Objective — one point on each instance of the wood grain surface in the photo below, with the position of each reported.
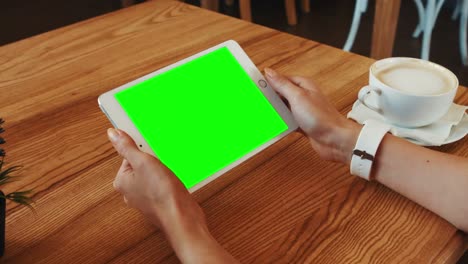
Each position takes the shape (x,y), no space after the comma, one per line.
(285,205)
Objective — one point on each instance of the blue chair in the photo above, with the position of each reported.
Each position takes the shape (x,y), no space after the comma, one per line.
(461,12)
(427,18)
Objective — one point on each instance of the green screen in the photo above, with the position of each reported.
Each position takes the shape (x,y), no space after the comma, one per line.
(201,116)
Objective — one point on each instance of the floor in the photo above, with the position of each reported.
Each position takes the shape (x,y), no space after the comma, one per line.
(328,22)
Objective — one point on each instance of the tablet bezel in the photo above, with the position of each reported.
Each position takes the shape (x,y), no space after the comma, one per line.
(119,118)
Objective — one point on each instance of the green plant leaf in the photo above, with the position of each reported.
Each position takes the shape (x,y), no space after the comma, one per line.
(21,197)
(6,177)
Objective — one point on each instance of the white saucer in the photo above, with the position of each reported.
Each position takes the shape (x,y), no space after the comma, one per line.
(458,132)
(450,128)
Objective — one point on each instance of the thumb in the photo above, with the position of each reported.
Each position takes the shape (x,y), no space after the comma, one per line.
(125,146)
(283,85)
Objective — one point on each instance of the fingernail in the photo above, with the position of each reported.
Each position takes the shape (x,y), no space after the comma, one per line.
(271,73)
(113,134)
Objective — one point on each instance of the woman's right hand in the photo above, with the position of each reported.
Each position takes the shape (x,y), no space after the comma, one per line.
(152,188)
(330,133)
(149,186)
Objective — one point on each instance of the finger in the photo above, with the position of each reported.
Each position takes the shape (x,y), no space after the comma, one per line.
(116,185)
(283,85)
(125,146)
(121,179)
(285,101)
(125,200)
(125,167)
(304,83)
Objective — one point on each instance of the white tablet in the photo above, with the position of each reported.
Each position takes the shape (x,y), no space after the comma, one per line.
(201,116)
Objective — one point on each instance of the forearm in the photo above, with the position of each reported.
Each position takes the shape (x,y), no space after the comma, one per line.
(192,241)
(435,180)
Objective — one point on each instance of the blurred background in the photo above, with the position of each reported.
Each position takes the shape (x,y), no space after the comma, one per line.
(328,22)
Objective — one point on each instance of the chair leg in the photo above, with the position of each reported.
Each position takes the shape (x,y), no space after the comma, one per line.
(421,13)
(463,38)
(432,11)
(305,6)
(457,10)
(426,46)
(210,4)
(417,32)
(385,24)
(245,10)
(358,9)
(438,8)
(291,11)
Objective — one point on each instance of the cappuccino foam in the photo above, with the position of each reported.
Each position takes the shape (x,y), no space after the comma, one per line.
(415,78)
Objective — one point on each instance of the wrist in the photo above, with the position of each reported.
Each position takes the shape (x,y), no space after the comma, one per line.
(183,223)
(366,148)
(181,216)
(347,136)
(192,241)
(183,233)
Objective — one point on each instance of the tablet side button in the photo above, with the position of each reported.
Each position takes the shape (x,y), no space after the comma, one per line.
(108,117)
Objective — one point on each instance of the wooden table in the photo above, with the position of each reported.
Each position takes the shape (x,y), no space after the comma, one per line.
(284,205)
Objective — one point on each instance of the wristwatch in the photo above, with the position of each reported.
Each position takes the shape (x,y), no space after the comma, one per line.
(366,147)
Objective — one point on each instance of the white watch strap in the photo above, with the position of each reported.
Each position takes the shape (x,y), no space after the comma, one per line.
(366,147)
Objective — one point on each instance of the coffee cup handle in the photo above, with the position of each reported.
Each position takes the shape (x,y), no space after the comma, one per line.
(364,94)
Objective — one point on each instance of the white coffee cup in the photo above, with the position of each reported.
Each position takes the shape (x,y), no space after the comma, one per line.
(410,92)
